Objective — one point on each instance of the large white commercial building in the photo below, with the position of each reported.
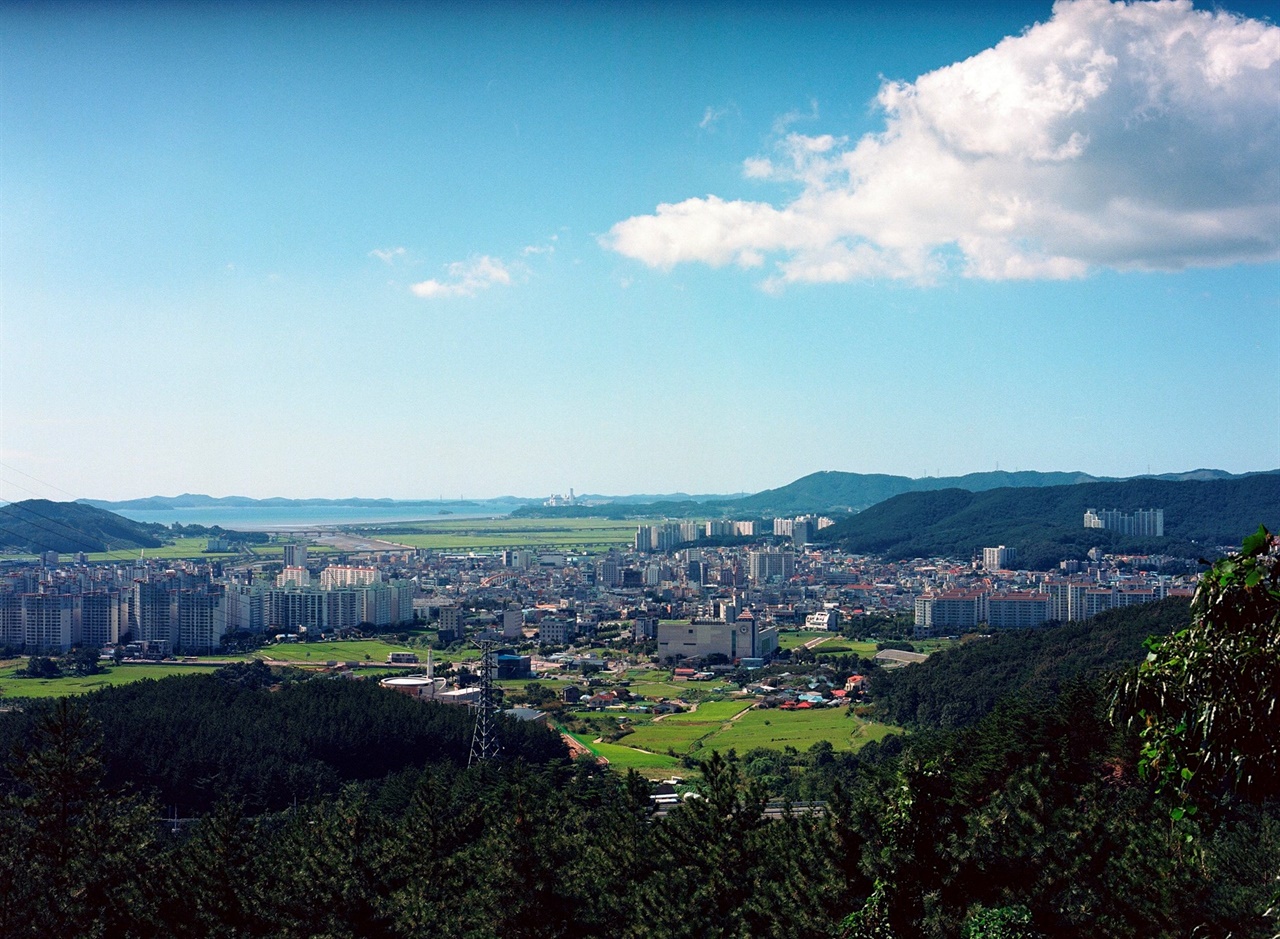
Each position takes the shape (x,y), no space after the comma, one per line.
(743,638)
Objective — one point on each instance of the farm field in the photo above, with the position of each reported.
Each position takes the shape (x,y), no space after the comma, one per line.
(659,689)
(840,646)
(588,534)
(193,548)
(11,687)
(776,729)
(181,548)
(345,650)
(711,712)
(734,724)
(623,758)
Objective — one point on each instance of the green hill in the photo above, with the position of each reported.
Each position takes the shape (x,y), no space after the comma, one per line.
(855,491)
(36,525)
(1045,525)
(957,687)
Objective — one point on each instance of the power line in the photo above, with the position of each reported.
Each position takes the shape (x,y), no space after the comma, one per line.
(122,554)
(67,533)
(484,740)
(38,480)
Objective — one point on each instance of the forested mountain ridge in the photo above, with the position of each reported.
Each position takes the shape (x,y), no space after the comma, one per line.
(1046,524)
(834,491)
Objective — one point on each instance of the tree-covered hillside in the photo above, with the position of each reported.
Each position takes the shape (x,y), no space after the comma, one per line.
(956,687)
(838,492)
(1045,525)
(193,741)
(36,525)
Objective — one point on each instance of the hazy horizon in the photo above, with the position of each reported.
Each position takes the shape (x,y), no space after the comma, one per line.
(430,250)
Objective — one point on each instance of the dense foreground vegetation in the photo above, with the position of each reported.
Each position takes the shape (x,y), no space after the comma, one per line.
(1073,806)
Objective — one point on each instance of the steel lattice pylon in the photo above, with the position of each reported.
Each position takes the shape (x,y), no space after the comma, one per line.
(484,740)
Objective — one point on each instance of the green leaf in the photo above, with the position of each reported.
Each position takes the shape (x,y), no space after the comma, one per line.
(1256,543)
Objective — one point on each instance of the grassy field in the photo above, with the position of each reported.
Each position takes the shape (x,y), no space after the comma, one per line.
(794,638)
(658,689)
(181,548)
(496,534)
(839,646)
(623,758)
(347,650)
(11,687)
(735,725)
(711,712)
(800,729)
(193,548)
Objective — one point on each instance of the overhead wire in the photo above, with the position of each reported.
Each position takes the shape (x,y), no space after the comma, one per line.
(68,531)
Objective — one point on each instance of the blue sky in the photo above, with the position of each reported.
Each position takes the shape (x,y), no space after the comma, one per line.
(420,250)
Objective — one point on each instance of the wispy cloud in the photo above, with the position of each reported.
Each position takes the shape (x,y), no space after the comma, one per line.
(783,123)
(387,255)
(548,248)
(1123,135)
(465,279)
(713,115)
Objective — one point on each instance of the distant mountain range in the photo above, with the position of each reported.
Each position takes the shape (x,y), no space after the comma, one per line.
(818,492)
(1040,514)
(832,491)
(1046,524)
(190,500)
(195,501)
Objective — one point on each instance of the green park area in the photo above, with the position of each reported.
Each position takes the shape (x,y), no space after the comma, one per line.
(373,651)
(497,534)
(194,549)
(591,535)
(838,645)
(180,548)
(13,687)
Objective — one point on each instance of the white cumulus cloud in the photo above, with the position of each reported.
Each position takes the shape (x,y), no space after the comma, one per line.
(387,255)
(1136,135)
(465,279)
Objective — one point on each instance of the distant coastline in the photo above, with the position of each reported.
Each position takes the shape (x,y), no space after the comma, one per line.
(303,515)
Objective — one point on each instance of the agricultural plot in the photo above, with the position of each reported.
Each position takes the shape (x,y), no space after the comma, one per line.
(658,689)
(664,735)
(588,534)
(180,548)
(710,712)
(194,549)
(775,729)
(735,725)
(11,687)
(623,757)
(839,646)
(349,650)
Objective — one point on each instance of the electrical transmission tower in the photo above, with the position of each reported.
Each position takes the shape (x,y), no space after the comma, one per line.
(484,741)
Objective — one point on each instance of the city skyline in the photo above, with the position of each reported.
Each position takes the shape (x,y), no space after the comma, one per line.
(271,251)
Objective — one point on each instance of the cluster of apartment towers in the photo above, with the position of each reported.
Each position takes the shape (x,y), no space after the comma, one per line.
(187,612)
(1061,600)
